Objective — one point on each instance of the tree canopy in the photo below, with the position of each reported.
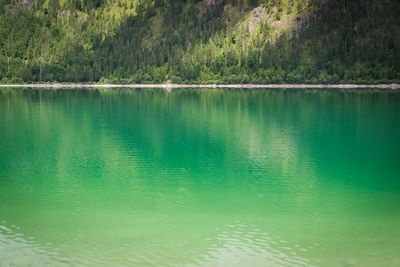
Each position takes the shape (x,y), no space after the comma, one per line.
(193,41)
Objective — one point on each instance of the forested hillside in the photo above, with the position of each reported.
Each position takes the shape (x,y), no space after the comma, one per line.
(193,41)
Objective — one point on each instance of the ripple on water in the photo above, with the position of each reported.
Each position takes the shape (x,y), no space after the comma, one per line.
(238,245)
(199,177)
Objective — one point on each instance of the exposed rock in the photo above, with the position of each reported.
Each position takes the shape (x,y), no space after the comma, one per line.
(61,14)
(258,15)
(301,22)
(210,3)
(27,2)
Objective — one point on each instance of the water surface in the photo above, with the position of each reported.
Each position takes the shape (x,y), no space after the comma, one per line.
(199,177)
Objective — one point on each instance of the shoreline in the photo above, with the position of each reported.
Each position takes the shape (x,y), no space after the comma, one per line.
(169,86)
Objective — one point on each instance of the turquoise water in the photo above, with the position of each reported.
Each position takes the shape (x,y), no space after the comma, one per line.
(199,177)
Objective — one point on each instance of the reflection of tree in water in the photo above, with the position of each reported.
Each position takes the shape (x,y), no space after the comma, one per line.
(188,176)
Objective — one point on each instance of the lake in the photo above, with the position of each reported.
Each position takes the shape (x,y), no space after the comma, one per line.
(199,177)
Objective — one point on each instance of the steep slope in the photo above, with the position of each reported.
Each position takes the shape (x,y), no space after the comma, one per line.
(222,41)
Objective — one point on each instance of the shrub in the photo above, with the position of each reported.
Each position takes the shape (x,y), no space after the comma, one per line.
(176,80)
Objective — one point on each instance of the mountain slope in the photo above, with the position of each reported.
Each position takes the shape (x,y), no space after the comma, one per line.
(222,41)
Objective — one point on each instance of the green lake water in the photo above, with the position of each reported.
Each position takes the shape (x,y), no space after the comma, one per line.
(199,177)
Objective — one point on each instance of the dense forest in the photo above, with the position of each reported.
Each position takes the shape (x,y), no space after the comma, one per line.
(194,41)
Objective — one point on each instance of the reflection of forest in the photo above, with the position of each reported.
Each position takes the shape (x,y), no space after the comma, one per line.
(210,170)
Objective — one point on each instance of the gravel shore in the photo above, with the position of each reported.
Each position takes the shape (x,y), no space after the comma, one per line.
(170,86)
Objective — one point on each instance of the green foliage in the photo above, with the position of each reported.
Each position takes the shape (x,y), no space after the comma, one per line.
(200,41)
